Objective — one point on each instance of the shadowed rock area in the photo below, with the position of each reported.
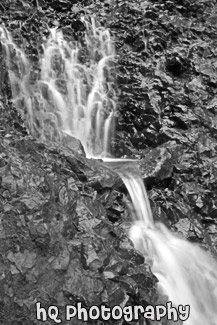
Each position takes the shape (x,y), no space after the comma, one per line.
(64,219)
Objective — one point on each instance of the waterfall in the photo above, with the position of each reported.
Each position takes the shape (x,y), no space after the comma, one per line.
(186,273)
(73,90)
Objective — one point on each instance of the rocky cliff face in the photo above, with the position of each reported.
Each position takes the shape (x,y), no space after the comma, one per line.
(64,220)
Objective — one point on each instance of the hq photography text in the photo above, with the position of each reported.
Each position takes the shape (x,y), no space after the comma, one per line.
(128,313)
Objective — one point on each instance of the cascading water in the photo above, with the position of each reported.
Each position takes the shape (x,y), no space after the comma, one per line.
(186,273)
(77,97)
(73,94)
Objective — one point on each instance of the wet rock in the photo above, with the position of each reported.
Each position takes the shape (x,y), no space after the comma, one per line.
(61,262)
(158,163)
(77,25)
(23,261)
(73,144)
(175,65)
(61,5)
(129,254)
(84,285)
(92,171)
(39,234)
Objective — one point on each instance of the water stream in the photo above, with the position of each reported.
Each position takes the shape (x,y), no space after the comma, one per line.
(75,95)
(186,273)
(73,90)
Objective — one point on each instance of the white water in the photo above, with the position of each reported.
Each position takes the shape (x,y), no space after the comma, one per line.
(70,95)
(75,97)
(187,274)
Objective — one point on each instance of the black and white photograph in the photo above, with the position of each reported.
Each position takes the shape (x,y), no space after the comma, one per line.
(108,162)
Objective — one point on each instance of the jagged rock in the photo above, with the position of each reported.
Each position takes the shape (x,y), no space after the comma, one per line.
(51,203)
(77,25)
(157,164)
(74,144)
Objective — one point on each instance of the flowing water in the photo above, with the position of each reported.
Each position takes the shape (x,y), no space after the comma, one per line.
(73,90)
(186,273)
(74,94)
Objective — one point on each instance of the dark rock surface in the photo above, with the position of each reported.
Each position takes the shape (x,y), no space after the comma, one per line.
(63,218)
(57,244)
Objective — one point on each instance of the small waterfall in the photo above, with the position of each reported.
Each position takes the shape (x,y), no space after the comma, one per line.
(72,91)
(186,273)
